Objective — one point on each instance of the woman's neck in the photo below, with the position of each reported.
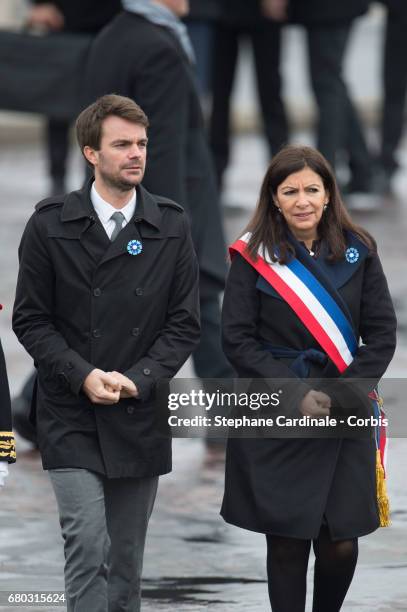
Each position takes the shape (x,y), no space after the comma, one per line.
(308,238)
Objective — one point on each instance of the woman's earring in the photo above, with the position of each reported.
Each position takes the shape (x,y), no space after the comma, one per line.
(278,208)
(326,206)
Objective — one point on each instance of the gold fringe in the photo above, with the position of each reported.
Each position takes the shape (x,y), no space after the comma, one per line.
(8,447)
(382,497)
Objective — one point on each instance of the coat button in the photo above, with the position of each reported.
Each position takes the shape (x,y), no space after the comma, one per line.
(139,291)
(97,292)
(63,379)
(137,219)
(69,365)
(135,331)
(130,409)
(96,333)
(147,371)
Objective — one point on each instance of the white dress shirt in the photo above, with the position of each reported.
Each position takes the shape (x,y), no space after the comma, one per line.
(104,210)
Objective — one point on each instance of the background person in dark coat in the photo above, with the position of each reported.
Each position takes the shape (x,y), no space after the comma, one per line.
(144,53)
(328,26)
(200,22)
(106,313)
(395,86)
(300,491)
(76,16)
(240,19)
(7,444)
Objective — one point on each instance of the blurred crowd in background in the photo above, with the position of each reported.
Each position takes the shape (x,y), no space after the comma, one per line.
(114,52)
(221,31)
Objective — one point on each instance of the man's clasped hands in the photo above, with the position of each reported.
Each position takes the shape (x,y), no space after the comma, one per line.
(108,387)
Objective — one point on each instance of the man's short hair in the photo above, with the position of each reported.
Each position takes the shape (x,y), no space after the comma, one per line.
(89,123)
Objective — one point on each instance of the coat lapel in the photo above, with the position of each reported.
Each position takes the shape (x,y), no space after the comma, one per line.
(146,221)
(81,221)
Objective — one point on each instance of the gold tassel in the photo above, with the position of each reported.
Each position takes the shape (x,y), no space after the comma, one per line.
(382,497)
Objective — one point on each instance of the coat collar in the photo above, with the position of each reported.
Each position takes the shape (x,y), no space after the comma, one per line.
(78,205)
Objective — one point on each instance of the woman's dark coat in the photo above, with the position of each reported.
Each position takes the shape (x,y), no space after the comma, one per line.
(288,487)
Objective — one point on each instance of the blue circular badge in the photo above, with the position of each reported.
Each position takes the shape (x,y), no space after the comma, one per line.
(352,255)
(134,247)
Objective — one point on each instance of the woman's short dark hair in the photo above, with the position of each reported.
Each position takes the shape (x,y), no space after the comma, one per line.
(90,121)
(268,226)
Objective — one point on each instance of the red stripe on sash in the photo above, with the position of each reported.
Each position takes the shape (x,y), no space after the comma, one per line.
(292,299)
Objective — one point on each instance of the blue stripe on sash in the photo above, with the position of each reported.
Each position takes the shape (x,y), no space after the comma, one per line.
(322,295)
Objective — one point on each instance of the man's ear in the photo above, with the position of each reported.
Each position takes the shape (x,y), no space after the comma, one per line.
(90,155)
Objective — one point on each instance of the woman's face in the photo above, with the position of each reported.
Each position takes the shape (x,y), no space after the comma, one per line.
(301,198)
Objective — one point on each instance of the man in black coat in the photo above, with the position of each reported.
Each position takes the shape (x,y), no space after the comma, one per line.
(107,305)
(145,53)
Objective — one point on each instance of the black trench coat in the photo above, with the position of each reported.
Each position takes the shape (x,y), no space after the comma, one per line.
(289,487)
(84,302)
(7,444)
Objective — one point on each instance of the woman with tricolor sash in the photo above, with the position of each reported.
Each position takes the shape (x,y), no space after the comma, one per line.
(7,444)
(306,298)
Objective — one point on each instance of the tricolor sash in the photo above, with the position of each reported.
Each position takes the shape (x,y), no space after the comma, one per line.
(325,319)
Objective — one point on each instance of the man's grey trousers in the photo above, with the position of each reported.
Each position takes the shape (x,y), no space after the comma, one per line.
(104,525)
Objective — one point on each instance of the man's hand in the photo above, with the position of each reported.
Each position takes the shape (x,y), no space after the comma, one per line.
(127,386)
(275,9)
(315,404)
(46,16)
(102,387)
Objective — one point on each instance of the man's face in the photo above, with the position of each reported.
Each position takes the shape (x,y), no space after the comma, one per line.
(121,160)
(179,7)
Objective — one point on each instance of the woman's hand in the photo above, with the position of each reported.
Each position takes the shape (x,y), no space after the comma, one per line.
(315,404)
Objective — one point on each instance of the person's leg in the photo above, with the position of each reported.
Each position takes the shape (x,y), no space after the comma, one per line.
(201,35)
(129,503)
(395,86)
(338,126)
(210,363)
(225,50)
(287,562)
(209,358)
(80,499)
(58,146)
(266,41)
(335,564)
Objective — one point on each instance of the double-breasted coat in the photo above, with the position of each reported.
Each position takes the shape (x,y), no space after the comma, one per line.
(83,302)
(7,444)
(290,487)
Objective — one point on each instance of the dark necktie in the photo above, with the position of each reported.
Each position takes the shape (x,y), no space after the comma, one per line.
(118,219)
